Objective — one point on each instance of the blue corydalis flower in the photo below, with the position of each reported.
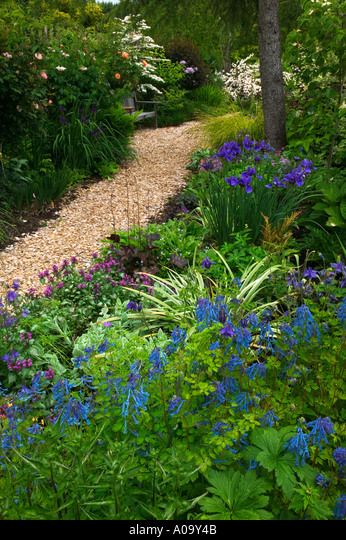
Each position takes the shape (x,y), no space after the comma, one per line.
(341,312)
(258,369)
(340,508)
(74,412)
(298,445)
(306,324)
(175,405)
(243,401)
(320,429)
(269,419)
(158,360)
(220,428)
(233,363)
(178,337)
(208,312)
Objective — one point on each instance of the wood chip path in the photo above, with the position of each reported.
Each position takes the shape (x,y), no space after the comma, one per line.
(134,195)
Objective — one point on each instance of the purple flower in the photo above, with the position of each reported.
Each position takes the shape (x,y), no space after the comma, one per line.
(133,306)
(48,291)
(227,331)
(339,455)
(310,273)
(206,263)
(232,181)
(212,164)
(11,296)
(248,143)
(49,374)
(107,324)
(15,284)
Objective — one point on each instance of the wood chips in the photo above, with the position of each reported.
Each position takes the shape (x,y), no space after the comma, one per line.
(134,195)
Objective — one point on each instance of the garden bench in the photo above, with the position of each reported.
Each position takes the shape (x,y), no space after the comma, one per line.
(131,103)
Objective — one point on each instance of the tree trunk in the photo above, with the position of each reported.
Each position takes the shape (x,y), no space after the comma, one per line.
(273,95)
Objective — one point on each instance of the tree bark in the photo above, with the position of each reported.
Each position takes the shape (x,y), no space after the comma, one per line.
(273,94)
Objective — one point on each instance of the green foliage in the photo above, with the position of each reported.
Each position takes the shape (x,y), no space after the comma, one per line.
(232,126)
(315,52)
(236,496)
(85,141)
(332,202)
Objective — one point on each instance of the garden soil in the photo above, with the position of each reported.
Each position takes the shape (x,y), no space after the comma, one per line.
(134,196)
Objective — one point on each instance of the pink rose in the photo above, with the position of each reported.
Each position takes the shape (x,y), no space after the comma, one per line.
(44,75)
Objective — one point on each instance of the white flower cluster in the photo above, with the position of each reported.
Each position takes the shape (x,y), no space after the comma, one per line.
(242,81)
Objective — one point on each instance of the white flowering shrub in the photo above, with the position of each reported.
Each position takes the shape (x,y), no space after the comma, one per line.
(139,51)
(242,81)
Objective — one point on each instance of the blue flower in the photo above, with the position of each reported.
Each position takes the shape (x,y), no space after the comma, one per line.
(340,507)
(306,324)
(178,335)
(244,401)
(233,363)
(320,429)
(229,151)
(74,412)
(298,445)
(220,428)
(341,312)
(322,481)
(208,312)
(104,346)
(339,455)
(61,390)
(175,405)
(256,369)
(158,360)
(269,419)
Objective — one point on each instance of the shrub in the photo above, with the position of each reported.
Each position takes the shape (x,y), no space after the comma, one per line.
(242,80)
(186,53)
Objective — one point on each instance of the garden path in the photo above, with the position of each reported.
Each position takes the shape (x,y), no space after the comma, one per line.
(133,196)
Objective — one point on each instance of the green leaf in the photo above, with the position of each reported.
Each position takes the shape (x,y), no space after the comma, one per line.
(236,496)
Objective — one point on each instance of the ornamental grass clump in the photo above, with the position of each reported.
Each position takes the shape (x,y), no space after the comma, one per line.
(245,181)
